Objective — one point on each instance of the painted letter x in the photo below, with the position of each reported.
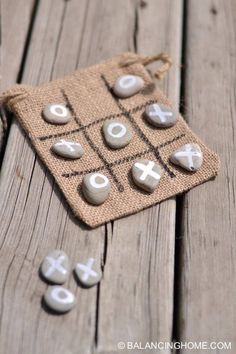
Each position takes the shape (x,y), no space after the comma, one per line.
(68,144)
(161,114)
(189,153)
(87,268)
(55,265)
(147,170)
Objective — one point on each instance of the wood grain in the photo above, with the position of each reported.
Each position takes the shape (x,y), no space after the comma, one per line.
(12,44)
(14,31)
(135,298)
(207,310)
(36,219)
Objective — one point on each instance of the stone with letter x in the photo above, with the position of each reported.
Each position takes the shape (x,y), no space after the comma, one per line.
(188,156)
(160,115)
(146,174)
(88,273)
(55,267)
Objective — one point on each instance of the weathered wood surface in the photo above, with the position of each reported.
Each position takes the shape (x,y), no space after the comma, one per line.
(207,308)
(135,299)
(137,289)
(13,38)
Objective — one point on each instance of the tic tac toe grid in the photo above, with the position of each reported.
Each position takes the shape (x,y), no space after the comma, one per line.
(88,95)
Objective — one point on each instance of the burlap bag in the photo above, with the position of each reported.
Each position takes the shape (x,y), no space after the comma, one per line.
(88,95)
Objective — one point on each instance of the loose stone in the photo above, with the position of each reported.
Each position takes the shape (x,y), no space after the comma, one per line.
(68,148)
(117,134)
(55,267)
(96,188)
(89,273)
(59,299)
(56,113)
(128,85)
(160,115)
(146,174)
(188,156)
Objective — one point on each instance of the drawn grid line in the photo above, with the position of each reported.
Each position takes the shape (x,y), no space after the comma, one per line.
(95,148)
(97,121)
(121,161)
(138,129)
(106,165)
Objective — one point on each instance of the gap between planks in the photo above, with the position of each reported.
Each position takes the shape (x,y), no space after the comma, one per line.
(92,328)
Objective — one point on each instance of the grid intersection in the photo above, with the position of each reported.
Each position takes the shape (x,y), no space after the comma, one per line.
(105,164)
(138,129)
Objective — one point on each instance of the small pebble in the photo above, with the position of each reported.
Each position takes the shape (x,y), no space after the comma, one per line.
(96,188)
(59,299)
(146,174)
(128,85)
(68,148)
(188,156)
(116,134)
(160,115)
(55,267)
(56,113)
(89,273)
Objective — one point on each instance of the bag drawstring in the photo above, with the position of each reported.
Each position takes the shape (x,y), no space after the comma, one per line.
(132,58)
(14,94)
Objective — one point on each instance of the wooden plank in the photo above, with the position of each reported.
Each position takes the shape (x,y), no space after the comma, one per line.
(136,295)
(35,218)
(207,282)
(12,43)
(14,30)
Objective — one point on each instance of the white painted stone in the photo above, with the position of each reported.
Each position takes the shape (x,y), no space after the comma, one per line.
(59,299)
(68,148)
(146,174)
(160,115)
(88,273)
(188,156)
(117,134)
(96,188)
(55,267)
(56,113)
(128,85)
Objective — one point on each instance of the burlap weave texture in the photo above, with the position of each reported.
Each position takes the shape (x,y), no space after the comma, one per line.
(88,95)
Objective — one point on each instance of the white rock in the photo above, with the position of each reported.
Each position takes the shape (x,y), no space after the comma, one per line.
(68,148)
(128,85)
(88,273)
(188,156)
(59,299)
(160,115)
(117,134)
(96,188)
(56,113)
(146,174)
(55,267)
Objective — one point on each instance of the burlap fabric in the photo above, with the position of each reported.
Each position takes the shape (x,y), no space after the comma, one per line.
(88,95)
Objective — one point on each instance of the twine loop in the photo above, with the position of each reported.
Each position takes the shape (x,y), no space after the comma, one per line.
(13,95)
(132,58)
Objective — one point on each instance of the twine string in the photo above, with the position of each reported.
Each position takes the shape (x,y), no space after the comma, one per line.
(145,60)
(13,95)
